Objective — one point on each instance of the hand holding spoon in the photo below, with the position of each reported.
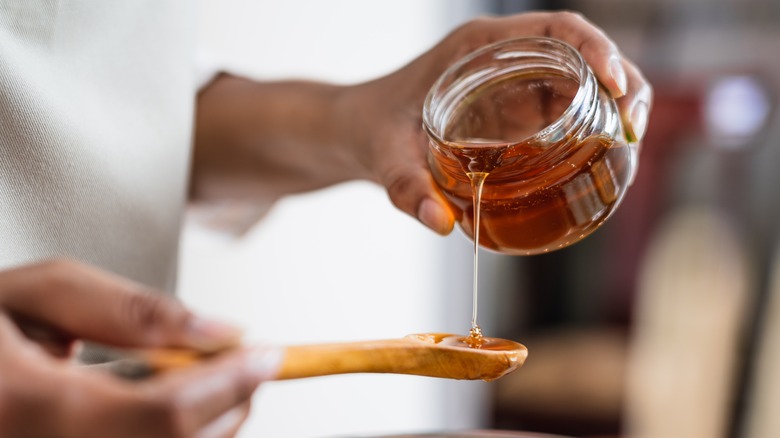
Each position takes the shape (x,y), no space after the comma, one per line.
(433,355)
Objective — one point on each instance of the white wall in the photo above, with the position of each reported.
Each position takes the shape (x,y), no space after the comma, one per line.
(339,264)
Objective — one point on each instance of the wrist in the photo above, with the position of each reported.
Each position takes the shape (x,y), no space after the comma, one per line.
(267,139)
(354,125)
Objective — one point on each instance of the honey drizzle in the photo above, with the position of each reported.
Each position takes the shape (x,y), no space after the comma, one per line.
(475,338)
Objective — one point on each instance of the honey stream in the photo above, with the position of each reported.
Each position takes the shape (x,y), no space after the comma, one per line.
(475,338)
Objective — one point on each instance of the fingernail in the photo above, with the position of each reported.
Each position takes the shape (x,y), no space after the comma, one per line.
(264,362)
(639,120)
(618,74)
(433,216)
(212,335)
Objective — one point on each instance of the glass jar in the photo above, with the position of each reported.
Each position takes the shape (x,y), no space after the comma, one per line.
(525,125)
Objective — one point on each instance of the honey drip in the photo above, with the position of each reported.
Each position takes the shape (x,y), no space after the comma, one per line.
(475,338)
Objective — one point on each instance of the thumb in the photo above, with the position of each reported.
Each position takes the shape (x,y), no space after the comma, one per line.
(404,172)
(412,190)
(91,304)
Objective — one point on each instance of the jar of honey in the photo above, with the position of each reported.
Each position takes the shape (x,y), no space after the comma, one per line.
(526,143)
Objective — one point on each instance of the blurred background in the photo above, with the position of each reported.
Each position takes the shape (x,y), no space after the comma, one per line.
(661,324)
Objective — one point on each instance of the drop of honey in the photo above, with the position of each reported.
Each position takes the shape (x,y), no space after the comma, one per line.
(485,343)
(475,338)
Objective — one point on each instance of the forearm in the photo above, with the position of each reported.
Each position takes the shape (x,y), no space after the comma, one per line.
(256,140)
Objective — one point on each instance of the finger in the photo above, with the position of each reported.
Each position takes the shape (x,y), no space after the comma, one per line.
(228,424)
(636,104)
(405,175)
(198,396)
(596,48)
(411,189)
(92,304)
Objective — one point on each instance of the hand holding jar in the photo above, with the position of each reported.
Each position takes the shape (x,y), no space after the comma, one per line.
(394,148)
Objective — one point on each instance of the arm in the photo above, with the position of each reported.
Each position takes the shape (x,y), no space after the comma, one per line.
(259,140)
(263,140)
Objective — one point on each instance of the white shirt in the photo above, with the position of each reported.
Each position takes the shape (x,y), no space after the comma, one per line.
(96,114)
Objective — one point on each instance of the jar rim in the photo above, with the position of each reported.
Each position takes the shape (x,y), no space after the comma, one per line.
(580,69)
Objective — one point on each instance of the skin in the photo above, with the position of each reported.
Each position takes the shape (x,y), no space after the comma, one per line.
(255,141)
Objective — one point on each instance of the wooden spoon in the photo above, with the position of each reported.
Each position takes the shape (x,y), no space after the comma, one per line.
(432,354)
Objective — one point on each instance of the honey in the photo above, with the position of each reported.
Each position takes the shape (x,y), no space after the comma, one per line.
(530,208)
(475,338)
(485,343)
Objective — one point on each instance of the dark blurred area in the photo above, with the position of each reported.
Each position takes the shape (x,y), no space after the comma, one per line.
(660,324)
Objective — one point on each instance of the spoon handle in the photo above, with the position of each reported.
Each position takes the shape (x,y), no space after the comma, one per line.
(299,361)
(399,356)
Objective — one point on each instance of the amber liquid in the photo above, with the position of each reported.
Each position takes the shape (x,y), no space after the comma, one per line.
(492,344)
(486,343)
(530,209)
